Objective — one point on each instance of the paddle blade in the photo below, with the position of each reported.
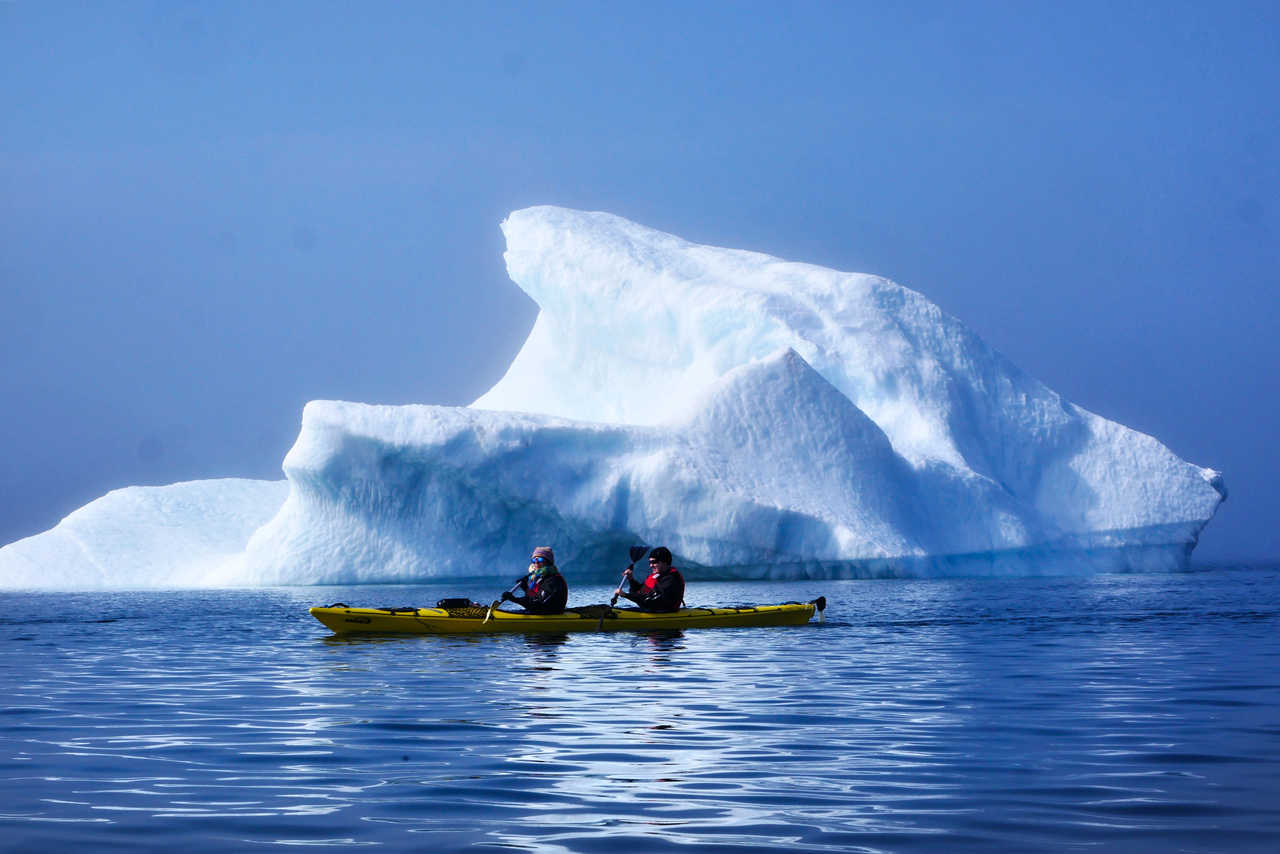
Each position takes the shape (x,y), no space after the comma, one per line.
(638,552)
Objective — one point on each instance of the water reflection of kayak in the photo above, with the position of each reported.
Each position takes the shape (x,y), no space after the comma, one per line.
(474,617)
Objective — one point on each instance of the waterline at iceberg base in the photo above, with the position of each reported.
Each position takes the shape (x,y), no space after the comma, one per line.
(772,419)
(1053,559)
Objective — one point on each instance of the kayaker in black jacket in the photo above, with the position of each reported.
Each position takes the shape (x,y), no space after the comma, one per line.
(545,590)
(662,591)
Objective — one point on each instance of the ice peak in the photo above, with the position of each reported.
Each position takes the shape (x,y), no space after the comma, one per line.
(630,314)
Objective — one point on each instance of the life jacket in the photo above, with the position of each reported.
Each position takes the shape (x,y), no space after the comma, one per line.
(652,581)
(651,584)
(535,587)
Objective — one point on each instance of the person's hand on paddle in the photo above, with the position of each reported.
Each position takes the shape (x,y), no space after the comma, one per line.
(507,597)
(626,576)
(636,553)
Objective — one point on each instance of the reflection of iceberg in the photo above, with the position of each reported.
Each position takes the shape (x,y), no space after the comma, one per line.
(761,417)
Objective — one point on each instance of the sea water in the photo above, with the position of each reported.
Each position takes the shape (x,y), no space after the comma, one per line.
(1113,713)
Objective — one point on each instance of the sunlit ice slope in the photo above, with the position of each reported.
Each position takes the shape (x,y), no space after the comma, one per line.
(175,536)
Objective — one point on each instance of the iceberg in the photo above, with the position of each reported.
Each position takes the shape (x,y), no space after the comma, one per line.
(172,536)
(762,418)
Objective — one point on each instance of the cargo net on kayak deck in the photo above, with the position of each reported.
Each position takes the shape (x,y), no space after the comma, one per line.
(469,611)
(458,607)
(593,612)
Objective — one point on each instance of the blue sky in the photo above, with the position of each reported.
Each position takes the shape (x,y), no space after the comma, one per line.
(213,212)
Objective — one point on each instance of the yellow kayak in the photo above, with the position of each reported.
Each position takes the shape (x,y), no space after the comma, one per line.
(472,617)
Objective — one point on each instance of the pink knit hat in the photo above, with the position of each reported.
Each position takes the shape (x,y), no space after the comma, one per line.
(544,552)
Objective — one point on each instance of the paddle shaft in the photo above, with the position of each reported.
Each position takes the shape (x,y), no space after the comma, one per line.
(497,602)
(614,600)
(635,553)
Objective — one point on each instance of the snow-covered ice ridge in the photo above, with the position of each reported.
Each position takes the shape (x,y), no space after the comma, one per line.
(762,418)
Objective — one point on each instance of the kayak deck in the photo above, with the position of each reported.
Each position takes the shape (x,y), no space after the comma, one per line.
(344,620)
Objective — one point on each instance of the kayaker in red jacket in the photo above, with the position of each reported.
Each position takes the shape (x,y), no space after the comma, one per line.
(545,590)
(662,591)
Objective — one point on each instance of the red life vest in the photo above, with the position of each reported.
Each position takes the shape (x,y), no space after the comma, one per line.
(652,581)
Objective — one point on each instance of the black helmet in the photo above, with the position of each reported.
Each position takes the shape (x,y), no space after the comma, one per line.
(661,554)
